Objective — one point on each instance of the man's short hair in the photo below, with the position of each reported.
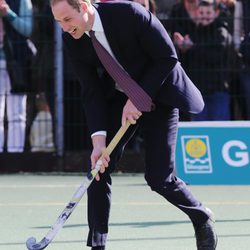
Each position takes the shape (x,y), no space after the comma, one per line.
(74,3)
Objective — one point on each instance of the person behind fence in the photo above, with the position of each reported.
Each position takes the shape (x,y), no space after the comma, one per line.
(208,63)
(242,44)
(41,132)
(183,22)
(150,86)
(226,15)
(43,70)
(15,55)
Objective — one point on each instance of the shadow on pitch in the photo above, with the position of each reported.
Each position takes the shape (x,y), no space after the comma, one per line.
(129,224)
(145,224)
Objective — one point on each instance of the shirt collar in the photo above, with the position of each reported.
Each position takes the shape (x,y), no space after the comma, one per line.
(97,26)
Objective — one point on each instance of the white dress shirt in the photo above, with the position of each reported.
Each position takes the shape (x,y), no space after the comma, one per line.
(101,37)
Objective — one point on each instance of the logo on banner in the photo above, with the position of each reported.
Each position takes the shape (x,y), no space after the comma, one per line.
(235,153)
(196,154)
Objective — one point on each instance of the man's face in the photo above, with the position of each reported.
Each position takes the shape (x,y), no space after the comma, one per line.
(206,14)
(71,20)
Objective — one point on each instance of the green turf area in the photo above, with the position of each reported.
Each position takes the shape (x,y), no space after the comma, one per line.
(140,219)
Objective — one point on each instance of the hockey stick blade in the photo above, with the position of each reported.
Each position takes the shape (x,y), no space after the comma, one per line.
(31,243)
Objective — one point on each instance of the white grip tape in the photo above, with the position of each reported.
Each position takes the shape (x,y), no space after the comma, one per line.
(98,164)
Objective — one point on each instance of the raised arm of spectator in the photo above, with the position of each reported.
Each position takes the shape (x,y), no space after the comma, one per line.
(21,22)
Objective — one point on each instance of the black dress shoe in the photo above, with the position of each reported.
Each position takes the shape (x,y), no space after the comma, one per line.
(206,238)
(98,248)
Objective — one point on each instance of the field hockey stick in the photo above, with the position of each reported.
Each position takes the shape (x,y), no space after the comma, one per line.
(31,242)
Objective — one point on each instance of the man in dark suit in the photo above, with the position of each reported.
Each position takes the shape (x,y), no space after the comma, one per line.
(140,44)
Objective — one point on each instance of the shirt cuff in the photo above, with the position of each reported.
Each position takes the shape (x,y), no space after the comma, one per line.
(11,15)
(104,133)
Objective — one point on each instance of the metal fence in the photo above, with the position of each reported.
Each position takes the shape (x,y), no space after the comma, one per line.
(55,118)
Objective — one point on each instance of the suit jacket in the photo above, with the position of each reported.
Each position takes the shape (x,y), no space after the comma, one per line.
(143,47)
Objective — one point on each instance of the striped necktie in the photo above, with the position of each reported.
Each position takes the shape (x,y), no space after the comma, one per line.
(135,93)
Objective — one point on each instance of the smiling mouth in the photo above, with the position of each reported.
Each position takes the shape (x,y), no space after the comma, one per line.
(73,31)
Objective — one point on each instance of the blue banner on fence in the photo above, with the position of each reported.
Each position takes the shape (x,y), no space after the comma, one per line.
(214,152)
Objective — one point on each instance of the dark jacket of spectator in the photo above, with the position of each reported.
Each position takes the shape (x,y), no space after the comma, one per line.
(207,59)
(19,52)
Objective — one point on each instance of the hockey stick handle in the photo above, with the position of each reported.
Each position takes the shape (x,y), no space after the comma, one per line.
(109,149)
(117,138)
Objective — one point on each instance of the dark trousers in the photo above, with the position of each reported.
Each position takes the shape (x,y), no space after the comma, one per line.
(159,129)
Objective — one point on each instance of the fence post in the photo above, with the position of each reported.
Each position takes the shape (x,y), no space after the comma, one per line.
(59,110)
